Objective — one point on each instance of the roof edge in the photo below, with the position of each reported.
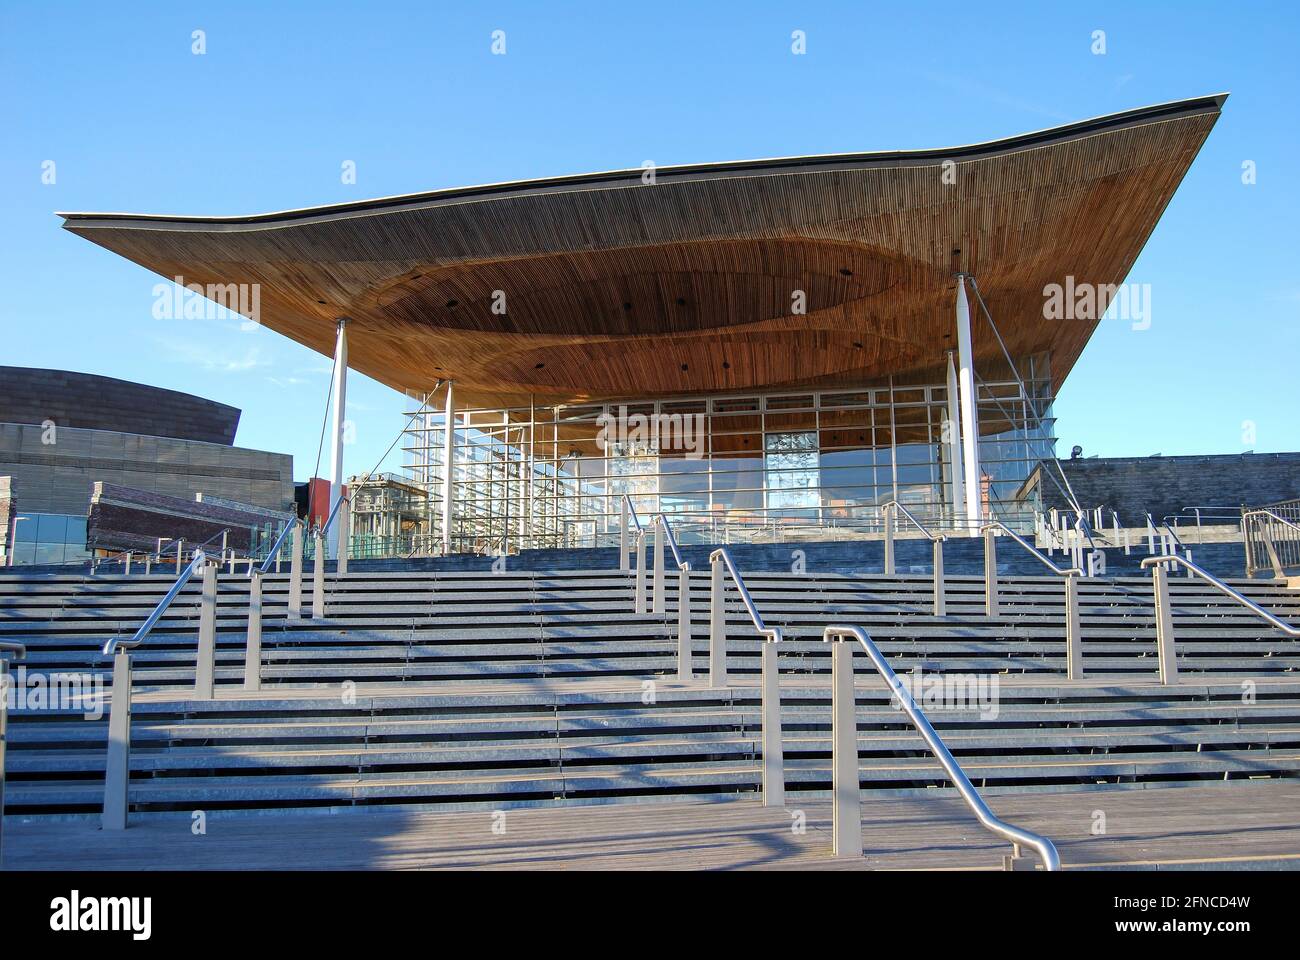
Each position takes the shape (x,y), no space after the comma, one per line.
(1212,103)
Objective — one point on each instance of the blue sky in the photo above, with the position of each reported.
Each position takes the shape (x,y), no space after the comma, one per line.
(411,92)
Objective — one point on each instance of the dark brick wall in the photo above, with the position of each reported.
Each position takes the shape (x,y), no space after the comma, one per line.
(121,518)
(1134,486)
(31,395)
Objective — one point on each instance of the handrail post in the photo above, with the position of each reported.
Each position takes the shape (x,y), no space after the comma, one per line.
(638,585)
(295,575)
(117,773)
(318,577)
(773,751)
(624,562)
(940,607)
(1165,647)
(889,540)
(180,545)
(990,573)
(717,626)
(4,720)
(344,534)
(205,663)
(253,647)
(685,671)
(1073,640)
(127,568)
(660,582)
(846,788)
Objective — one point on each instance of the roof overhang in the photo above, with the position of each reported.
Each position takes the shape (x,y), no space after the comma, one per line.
(609,285)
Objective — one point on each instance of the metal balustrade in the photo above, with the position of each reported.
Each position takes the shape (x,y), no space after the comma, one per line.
(891,509)
(253,642)
(1165,643)
(846,790)
(18,652)
(1272,540)
(1071,575)
(720,561)
(117,772)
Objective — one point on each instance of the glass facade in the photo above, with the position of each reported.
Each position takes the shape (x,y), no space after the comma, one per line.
(755,466)
(49,538)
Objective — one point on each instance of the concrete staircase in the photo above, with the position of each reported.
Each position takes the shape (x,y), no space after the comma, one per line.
(452,689)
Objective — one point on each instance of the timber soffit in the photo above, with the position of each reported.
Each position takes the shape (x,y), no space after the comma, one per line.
(707,263)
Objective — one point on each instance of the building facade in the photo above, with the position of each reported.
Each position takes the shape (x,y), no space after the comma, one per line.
(63,432)
(758,348)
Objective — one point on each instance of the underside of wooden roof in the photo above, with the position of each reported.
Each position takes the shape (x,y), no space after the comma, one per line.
(605,286)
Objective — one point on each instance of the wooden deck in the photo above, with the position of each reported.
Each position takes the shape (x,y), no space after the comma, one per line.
(1244,826)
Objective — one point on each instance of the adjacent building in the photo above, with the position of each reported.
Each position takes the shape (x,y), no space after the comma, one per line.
(61,433)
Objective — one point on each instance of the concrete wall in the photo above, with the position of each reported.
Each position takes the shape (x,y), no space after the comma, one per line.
(91,402)
(58,477)
(1132,486)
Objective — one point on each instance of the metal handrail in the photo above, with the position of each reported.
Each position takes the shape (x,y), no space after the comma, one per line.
(932,537)
(1226,590)
(1269,513)
(1059,571)
(329,521)
(672,543)
(17,649)
(631,508)
(279,542)
(773,633)
(138,637)
(1045,849)
(1178,542)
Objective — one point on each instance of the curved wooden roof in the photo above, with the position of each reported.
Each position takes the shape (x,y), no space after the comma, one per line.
(618,288)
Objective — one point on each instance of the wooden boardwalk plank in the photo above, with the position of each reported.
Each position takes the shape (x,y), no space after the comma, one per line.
(1242,825)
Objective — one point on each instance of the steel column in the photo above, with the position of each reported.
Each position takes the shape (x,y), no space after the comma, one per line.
(846,790)
(339,417)
(685,670)
(638,586)
(969,409)
(889,540)
(990,573)
(117,774)
(940,602)
(661,583)
(717,626)
(295,574)
(318,579)
(343,534)
(253,646)
(448,467)
(958,491)
(773,752)
(205,663)
(1073,640)
(1168,655)
(623,559)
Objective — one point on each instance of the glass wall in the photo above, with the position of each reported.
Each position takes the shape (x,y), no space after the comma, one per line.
(49,538)
(726,467)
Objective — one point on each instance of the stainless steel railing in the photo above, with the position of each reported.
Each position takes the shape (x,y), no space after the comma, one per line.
(893,507)
(1165,642)
(1071,575)
(18,652)
(847,792)
(721,562)
(274,552)
(1272,541)
(116,643)
(722,556)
